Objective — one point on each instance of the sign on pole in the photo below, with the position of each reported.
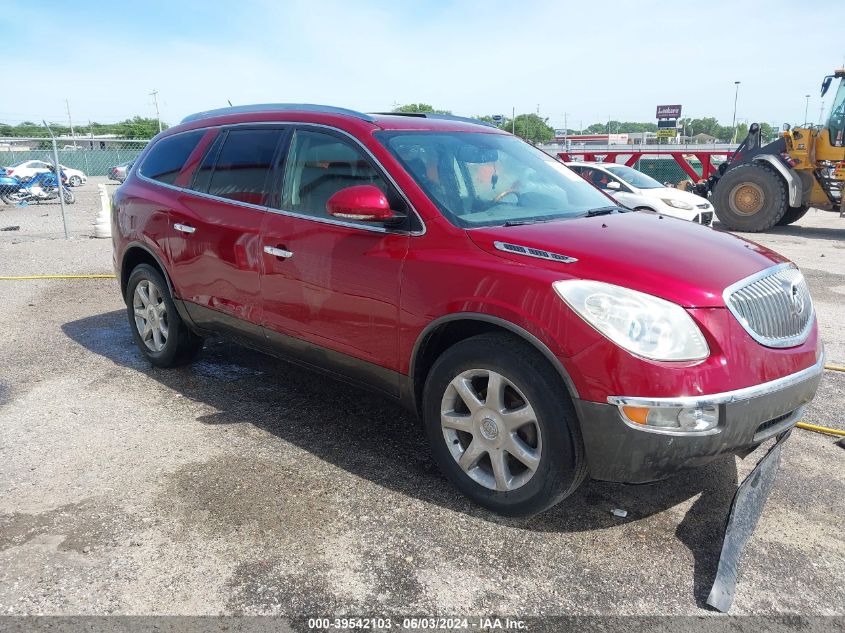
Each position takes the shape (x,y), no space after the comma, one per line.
(668,112)
(666,132)
(667,123)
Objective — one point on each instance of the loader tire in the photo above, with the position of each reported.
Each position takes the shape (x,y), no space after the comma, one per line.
(793,214)
(750,198)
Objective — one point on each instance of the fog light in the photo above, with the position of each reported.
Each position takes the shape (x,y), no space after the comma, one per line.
(669,419)
(698,418)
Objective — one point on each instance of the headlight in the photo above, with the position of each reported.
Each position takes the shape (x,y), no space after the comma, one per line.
(640,323)
(678,204)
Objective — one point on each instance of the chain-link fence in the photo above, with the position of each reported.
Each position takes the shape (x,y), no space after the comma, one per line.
(93,157)
(666,170)
(30,211)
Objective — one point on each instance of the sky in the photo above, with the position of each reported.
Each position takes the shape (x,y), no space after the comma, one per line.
(582,62)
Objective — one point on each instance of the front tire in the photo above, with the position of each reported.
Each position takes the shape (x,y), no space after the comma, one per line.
(75,181)
(159,332)
(750,198)
(68,196)
(502,426)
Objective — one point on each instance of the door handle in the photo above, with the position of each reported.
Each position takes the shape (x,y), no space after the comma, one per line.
(184,228)
(277,252)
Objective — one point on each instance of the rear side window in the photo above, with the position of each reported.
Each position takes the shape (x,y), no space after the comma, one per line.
(203,174)
(165,160)
(319,165)
(243,165)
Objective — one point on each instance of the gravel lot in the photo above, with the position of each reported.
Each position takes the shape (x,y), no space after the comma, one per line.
(243,485)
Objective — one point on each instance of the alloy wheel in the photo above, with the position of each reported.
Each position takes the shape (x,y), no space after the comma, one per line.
(491,429)
(150,315)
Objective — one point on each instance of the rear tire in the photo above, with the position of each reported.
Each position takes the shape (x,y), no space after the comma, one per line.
(159,332)
(792,215)
(750,198)
(528,454)
(75,181)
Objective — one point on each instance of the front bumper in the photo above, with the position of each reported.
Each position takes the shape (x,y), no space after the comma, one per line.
(621,451)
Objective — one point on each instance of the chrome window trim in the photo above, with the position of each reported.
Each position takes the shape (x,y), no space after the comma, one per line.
(379,165)
(791,341)
(726,397)
(193,192)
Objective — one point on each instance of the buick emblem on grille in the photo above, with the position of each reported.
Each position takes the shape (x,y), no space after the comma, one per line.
(796,296)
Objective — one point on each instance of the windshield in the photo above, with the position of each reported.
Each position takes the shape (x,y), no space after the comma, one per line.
(479,179)
(633,177)
(836,122)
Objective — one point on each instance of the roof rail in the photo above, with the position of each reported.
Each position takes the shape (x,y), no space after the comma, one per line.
(277,107)
(434,115)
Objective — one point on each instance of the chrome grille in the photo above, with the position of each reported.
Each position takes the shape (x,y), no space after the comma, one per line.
(774,306)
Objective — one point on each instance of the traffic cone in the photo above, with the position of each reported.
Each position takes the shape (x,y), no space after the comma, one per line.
(102,225)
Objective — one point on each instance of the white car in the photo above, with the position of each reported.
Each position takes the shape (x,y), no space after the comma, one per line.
(29,168)
(635,190)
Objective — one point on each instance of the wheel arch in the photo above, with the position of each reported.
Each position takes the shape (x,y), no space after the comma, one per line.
(794,186)
(447,330)
(135,254)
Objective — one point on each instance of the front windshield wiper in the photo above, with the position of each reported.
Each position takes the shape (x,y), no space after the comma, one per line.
(517,223)
(605,211)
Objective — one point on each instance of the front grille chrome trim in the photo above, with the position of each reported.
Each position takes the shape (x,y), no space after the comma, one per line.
(758,303)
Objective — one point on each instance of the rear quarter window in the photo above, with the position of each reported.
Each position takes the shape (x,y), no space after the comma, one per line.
(166,157)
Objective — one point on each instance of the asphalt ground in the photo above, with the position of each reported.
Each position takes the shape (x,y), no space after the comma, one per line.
(244,485)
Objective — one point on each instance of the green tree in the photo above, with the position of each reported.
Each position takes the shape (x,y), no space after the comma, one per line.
(420,107)
(531,127)
(138,127)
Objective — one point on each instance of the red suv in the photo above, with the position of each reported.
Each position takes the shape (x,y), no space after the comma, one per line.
(541,333)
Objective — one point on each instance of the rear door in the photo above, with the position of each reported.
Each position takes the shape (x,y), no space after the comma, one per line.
(215,248)
(333,283)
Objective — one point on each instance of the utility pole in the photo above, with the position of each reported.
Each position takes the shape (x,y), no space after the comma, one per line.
(58,173)
(70,122)
(154,95)
(565,131)
(806,107)
(733,125)
(821,112)
(513,120)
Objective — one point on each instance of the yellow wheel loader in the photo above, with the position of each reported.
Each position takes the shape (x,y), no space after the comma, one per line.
(775,184)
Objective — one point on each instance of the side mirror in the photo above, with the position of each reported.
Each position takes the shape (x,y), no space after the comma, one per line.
(364,203)
(613,186)
(826,84)
(786,127)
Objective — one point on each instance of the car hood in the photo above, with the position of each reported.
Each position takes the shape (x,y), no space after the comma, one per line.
(676,260)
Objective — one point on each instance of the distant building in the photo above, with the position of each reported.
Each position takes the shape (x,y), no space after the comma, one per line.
(593,139)
(702,139)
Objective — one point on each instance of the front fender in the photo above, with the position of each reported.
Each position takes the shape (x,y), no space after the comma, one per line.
(793,182)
